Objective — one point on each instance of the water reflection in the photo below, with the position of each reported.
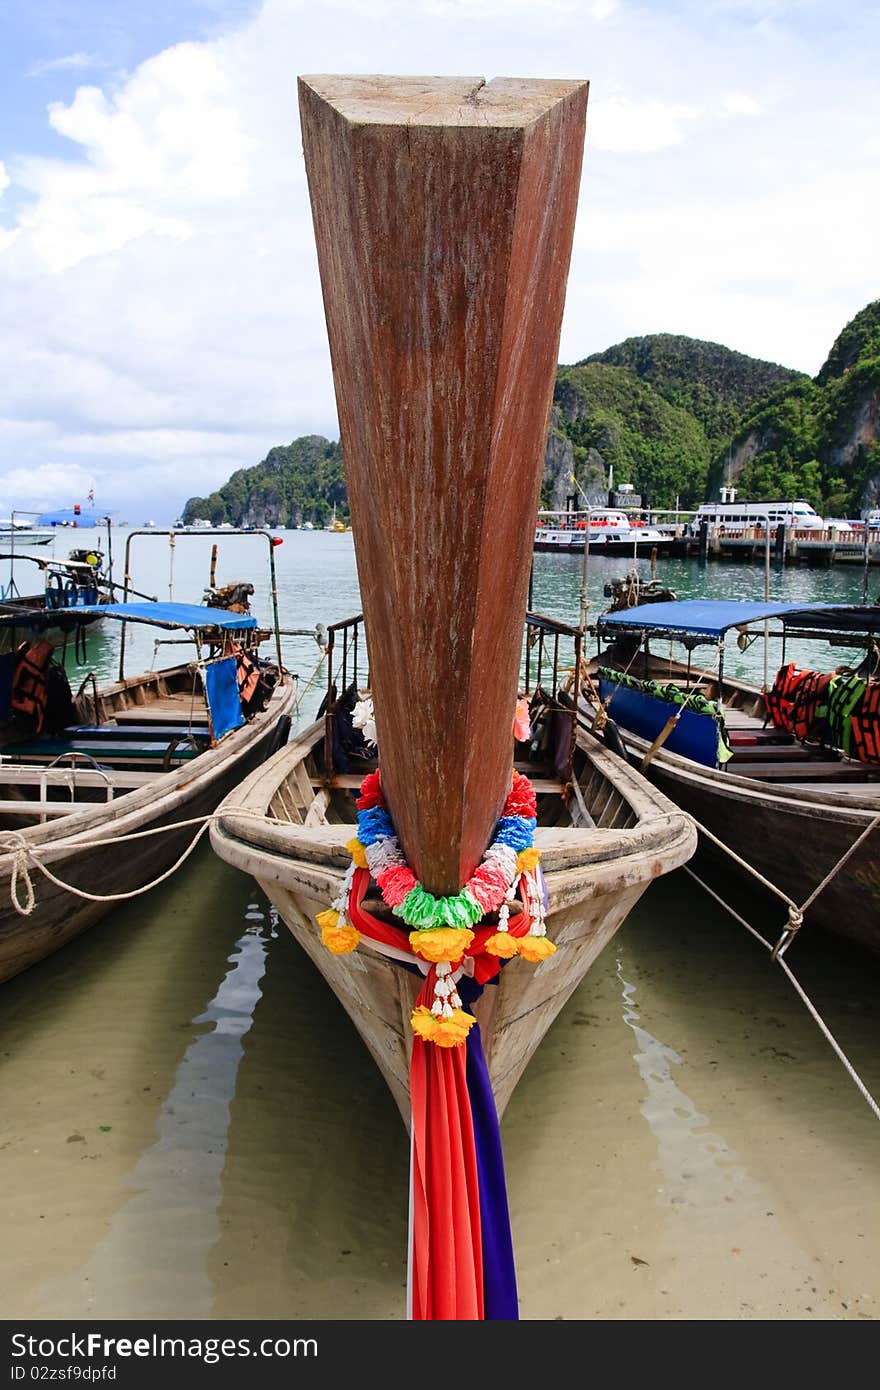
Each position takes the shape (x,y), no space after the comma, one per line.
(154,1257)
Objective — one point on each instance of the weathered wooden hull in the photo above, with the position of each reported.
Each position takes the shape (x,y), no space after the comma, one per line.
(594,877)
(74,849)
(793,836)
(444,214)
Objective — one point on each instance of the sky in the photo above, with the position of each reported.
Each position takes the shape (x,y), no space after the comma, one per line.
(160,312)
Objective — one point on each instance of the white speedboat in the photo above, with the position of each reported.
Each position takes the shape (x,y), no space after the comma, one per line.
(20,533)
(607,530)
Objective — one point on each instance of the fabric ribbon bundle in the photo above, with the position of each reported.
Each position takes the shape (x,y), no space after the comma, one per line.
(461,1254)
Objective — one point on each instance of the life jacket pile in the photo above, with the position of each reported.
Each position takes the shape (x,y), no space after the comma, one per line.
(839,711)
(254,688)
(30,685)
(865,725)
(798,703)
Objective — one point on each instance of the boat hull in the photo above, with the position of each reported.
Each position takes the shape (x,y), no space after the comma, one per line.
(616,547)
(77,851)
(594,878)
(794,837)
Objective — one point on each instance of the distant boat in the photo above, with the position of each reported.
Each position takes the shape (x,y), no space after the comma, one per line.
(307,526)
(607,530)
(21,533)
(732,516)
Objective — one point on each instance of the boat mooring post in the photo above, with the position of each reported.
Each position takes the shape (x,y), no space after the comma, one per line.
(585,586)
(766,591)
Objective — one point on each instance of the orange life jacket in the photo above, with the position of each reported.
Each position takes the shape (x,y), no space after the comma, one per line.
(798,702)
(780,698)
(866,725)
(30,686)
(809,715)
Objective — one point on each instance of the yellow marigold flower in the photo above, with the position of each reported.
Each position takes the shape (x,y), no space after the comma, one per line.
(527,859)
(328,918)
(441,943)
(340,940)
(452,1031)
(501,944)
(424,1024)
(535,948)
(443,1032)
(358,853)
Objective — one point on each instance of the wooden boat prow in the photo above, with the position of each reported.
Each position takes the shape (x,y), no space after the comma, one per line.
(444,214)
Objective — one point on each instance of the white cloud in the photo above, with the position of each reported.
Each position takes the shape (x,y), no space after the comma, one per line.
(625,126)
(48,485)
(4,177)
(168,141)
(68,62)
(160,314)
(742,104)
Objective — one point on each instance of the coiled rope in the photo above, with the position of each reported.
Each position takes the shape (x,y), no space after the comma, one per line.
(26,856)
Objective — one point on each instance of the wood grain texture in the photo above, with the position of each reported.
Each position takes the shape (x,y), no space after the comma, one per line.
(444,213)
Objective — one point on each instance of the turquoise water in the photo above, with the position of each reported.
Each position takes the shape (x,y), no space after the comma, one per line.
(189,1125)
(316,582)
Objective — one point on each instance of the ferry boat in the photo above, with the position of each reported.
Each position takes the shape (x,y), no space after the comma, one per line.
(733,515)
(609,531)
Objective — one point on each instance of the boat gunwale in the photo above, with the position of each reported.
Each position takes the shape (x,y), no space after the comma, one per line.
(661,831)
(157,798)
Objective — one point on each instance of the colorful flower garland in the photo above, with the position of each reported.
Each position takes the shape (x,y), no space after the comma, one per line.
(442,928)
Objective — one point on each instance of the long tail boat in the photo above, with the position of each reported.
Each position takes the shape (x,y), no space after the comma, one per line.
(485,853)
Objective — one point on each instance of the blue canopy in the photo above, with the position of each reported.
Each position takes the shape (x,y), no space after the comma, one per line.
(68,517)
(188,615)
(709,619)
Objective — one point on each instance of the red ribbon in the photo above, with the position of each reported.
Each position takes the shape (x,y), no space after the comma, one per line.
(447,1256)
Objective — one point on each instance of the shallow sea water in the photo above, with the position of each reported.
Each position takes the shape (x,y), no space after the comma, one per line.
(190,1126)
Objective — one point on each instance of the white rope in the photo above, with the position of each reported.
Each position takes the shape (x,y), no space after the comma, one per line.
(25,856)
(823,1027)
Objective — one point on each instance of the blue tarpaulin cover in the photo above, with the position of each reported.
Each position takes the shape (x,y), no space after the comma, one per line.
(187,615)
(66,516)
(713,617)
(221,693)
(694,736)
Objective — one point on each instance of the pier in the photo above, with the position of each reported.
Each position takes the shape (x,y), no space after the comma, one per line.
(833,545)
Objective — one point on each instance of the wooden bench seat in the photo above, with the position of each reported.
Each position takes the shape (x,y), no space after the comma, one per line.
(352,781)
(177,711)
(126,732)
(74,774)
(811,768)
(102,750)
(780,752)
(752,737)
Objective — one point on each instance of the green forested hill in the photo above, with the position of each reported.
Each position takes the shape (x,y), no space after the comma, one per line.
(297,482)
(675,417)
(659,447)
(712,382)
(817,439)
